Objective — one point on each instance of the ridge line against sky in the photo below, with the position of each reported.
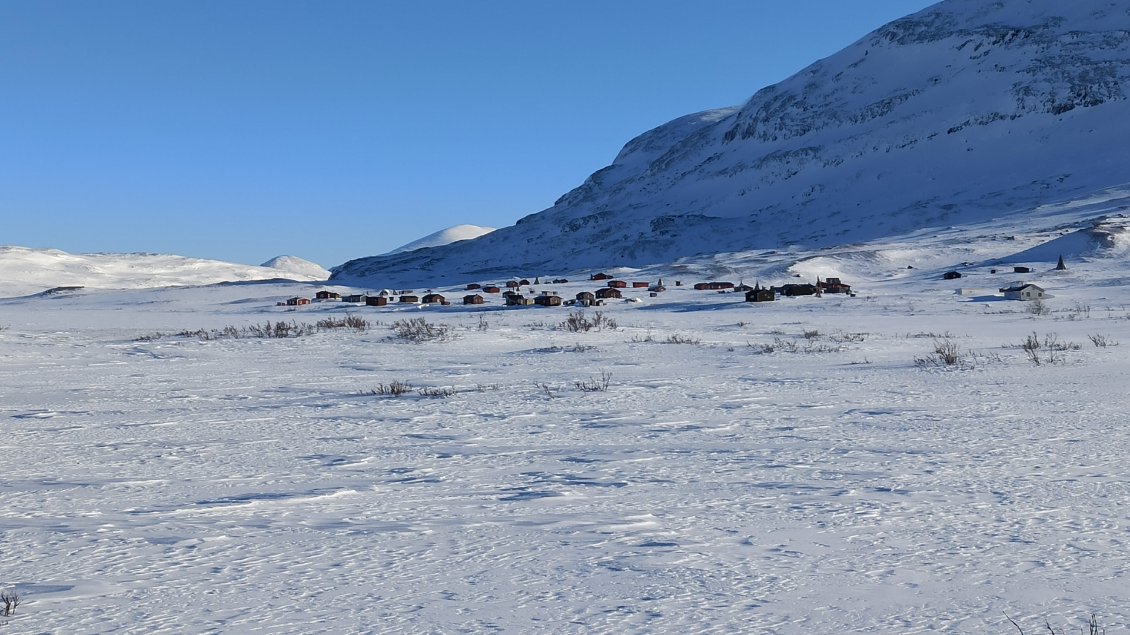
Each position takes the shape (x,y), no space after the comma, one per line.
(241,131)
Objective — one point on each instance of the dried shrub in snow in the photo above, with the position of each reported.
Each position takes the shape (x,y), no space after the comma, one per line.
(946,354)
(1102,341)
(594,384)
(1047,351)
(350,321)
(394,388)
(419,330)
(580,322)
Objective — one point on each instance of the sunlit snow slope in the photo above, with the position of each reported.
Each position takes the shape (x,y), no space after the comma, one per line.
(24,271)
(964,112)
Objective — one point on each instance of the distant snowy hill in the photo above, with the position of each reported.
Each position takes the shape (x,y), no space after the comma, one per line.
(296,265)
(444,237)
(961,113)
(25,271)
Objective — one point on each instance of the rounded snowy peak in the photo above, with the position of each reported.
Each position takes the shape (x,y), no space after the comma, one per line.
(445,237)
(294,264)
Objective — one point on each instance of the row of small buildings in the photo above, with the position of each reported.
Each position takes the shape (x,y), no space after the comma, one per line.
(512,296)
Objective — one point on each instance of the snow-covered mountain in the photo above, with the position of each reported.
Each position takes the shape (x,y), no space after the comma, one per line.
(296,265)
(444,237)
(964,112)
(24,271)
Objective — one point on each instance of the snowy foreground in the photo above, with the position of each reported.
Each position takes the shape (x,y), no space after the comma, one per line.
(774,468)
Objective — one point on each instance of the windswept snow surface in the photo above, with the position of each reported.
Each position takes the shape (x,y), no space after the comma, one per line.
(445,237)
(25,271)
(787,468)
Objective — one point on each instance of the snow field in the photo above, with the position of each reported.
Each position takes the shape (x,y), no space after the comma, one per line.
(255,485)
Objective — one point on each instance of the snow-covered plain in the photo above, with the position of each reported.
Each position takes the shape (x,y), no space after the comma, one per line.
(786,468)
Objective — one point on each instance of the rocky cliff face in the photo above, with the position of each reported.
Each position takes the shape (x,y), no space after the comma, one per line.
(965,111)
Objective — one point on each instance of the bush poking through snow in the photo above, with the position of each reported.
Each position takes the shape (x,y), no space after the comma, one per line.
(1038,307)
(682,339)
(394,388)
(580,322)
(419,330)
(594,384)
(1048,351)
(10,600)
(436,393)
(1101,341)
(350,321)
(946,354)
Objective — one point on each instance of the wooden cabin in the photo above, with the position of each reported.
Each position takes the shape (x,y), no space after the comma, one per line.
(586,298)
(1019,269)
(833,285)
(608,292)
(376,300)
(490,288)
(617,284)
(327,295)
(548,300)
(473,299)
(355,298)
(793,290)
(434,298)
(409,299)
(757,294)
(473,286)
(600,276)
(513,284)
(951,275)
(640,285)
(515,299)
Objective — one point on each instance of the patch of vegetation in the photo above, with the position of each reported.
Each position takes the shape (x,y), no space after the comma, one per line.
(1047,351)
(946,354)
(271,330)
(581,322)
(394,388)
(1102,341)
(419,330)
(594,384)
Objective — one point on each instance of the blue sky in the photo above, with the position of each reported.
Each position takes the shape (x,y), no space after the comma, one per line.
(242,130)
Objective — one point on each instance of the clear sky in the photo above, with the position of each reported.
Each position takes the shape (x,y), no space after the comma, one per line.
(245,129)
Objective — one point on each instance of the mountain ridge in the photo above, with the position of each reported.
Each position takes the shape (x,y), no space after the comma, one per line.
(961,112)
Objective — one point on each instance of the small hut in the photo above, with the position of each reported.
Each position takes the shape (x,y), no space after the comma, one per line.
(490,288)
(1019,269)
(640,285)
(617,284)
(548,300)
(434,298)
(608,292)
(376,300)
(473,299)
(327,295)
(409,299)
(474,285)
(757,294)
(586,298)
(600,276)
(513,284)
(951,275)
